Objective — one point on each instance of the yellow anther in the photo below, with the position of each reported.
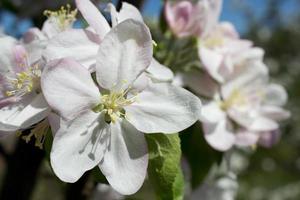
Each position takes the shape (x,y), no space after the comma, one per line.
(65,17)
(113,104)
(24,82)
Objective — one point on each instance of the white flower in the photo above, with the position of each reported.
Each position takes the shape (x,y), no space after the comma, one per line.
(103,123)
(82,45)
(246,108)
(222,50)
(21,102)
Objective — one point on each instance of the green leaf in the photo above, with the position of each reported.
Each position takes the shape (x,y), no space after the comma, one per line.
(164,166)
(198,153)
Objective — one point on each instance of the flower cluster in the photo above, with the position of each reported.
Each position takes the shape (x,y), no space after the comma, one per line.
(241,106)
(99,89)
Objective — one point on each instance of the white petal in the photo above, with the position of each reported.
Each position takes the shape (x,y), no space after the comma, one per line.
(212,113)
(79,146)
(124,54)
(128,11)
(218,135)
(30,110)
(275,95)
(37,110)
(51,27)
(164,108)
(93,17)
(275,113)
(254,75)
(159,72)
(69,88)
(212,61)
(81,45)
(125,163)
(252,119)
(7,58)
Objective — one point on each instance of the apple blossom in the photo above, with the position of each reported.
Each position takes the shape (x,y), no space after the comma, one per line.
(103,123)
(21,102)
(222,49)
(186,18)
(82,45)
(245,110)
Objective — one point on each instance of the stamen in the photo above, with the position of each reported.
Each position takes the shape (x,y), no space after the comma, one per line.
(113,105)
(39,132)
(65,17)
(24,82)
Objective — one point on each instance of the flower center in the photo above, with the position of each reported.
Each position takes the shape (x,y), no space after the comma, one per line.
(236,98)
(24,82)
(64,17)
(113,105)
(214,41)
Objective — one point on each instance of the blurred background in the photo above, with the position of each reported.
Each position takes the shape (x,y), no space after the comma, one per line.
(268,174)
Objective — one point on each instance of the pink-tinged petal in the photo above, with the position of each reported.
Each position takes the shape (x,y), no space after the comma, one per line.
(269,139)
(218,135)
(81,45)
(6,101)
(159,72)
(212,61)
(79,146)
(125,163)
(21,58)
(33,34)
(246,138)
(93,17)
(124,54)
(69,88)
(178,16)
(274,112)
(164,108)
(275,95)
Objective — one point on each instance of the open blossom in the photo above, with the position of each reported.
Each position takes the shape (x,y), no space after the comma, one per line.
(186,18)
(21,102)
(222,50)
(245,111)
(82,45)
(103,122)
